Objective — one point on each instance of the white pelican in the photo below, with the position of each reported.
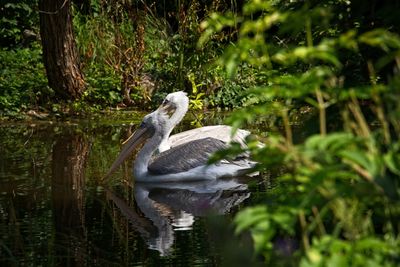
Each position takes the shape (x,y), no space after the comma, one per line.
(185,162)
(180,103)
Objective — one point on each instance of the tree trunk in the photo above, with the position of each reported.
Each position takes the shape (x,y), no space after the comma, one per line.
(59,52)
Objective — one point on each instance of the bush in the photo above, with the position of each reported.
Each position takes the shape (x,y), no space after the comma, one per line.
(340,188)
(23,82)
(132,47)
(17,16)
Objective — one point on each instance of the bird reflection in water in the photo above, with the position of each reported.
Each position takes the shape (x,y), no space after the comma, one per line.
(171,207)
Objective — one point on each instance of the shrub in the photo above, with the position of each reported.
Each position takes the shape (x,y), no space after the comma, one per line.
(340,190)
(23,82)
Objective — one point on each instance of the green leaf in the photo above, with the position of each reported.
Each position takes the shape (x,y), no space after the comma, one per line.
(358,157)
(373,244)
(262,234)
(250,217)
(381,38)
(392,161)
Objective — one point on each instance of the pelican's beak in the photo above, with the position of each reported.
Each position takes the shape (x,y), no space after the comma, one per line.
(168,107)
(137,138)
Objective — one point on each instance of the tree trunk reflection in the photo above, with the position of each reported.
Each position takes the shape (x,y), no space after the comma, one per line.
(68,182)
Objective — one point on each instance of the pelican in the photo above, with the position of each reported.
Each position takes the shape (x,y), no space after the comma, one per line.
(180,103)
(185,162)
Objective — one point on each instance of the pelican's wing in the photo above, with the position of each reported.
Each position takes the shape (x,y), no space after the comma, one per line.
(186,156)
(221,132)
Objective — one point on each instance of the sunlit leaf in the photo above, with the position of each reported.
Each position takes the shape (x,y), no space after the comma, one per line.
(358,157)
(250,217)
(381,38)
(392,161)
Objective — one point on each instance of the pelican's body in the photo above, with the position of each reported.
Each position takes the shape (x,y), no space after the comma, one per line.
(185,162)
(220,132)
(181,105)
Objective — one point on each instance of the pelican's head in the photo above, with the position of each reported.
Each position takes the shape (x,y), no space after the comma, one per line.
(151,125)
(176,104)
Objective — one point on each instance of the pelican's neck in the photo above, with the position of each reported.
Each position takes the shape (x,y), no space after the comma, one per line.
(163,238)
(143,157)
(172,122)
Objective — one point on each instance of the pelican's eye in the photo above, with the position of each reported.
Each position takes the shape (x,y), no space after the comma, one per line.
(142,124)
(165,102)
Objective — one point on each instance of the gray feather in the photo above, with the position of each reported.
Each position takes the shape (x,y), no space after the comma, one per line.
(186,156)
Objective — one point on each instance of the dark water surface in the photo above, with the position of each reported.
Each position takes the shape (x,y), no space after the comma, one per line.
(55,211)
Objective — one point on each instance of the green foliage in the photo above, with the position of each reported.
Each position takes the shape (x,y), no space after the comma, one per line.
(196,100)
(137,52)
(23,83)
(104,85)
(17,16)
(233,93)
(332,251)
(127,46)
(102,57)
(341,186)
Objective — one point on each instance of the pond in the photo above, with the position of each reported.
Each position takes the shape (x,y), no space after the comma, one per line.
(55,209)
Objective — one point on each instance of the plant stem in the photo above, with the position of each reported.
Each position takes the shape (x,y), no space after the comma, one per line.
(358,115)
(309,33)
(288,130)
(319,222)
(322,112)
(378,108)
(303,224)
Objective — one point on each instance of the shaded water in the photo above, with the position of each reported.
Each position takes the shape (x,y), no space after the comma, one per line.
(54,210)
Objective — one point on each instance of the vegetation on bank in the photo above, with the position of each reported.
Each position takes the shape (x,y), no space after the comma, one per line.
(341,194)
(131,54)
